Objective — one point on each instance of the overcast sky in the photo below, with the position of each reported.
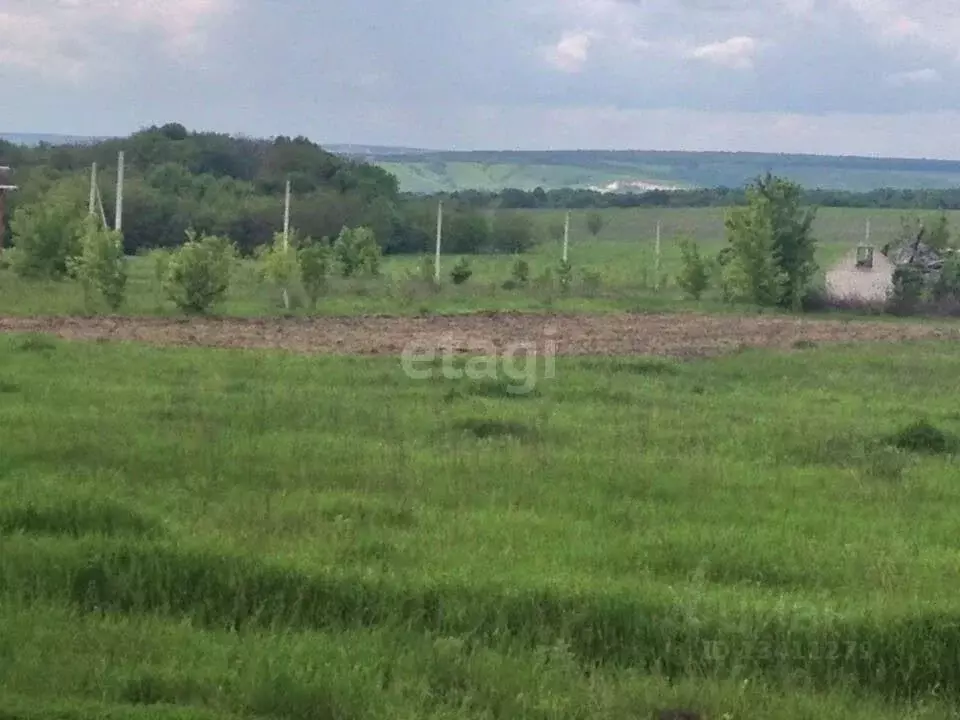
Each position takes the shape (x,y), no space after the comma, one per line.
(836,76)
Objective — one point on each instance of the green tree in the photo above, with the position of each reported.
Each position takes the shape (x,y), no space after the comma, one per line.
(46,233)
(198,274)
(513,232)
(357,252)
(694,278)
(461,271)
(314,261)
(773,248)
(594,223)
(468,233)
(908,289)
(947,284)
(520,273)
(938,237)
(281,265)
(101,265)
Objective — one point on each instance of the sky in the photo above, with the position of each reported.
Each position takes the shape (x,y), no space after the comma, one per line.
(853,77)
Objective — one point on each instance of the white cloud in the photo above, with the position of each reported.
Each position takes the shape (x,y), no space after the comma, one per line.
(931,23)
(924,76)
(66,38)
(572,52)
(736,52)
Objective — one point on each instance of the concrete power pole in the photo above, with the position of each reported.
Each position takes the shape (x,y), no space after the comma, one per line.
(436,267)
(93,190)
(118,223)
(6,186)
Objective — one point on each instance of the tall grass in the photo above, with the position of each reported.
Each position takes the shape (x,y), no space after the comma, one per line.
(264,534)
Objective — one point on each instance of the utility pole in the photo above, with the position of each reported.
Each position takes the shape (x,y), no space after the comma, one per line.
(93,190)
(286,237)
(286,218)
(5,187)
(436,270)
(656,278)
(118,224)
(566,237)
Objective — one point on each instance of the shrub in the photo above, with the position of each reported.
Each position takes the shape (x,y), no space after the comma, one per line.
(592,280)
(46,234)
(520,273)
(101,265)
(922,437)
(357,252)
(198,274)
(938,237)
(565,275)
(907,291)
(694,278)
(314,261)
(594,223)
(281,264)
(513,233)
(947,285)
(461,272)
(772,246)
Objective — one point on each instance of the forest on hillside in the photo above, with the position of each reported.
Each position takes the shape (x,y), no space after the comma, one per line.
(177,180)
(217,184)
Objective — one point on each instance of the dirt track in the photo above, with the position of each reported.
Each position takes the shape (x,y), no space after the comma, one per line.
(676,335)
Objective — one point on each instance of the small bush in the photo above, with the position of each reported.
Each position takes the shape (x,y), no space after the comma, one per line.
(947,285)
(101,265)
(520,273)
(594,223)
(281,265)
(907,292)
(314,261)
(461,272)
(198,274)
(357,252)
(592,280)
(922,437)
(47,234)
(486,429)
(565,275)
(694,278)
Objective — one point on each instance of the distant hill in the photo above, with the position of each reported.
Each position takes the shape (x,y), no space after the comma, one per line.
(424,171)
(35,139)
(428,171)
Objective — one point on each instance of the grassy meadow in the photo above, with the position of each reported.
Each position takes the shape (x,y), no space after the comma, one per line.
(613,271)
(238,534)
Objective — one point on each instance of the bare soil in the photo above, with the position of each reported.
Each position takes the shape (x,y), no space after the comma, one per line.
(675,335)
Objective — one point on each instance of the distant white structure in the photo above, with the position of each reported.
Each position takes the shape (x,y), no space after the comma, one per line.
(633,186)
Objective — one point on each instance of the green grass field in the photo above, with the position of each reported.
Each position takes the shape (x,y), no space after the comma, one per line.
(238,534)
(621,258)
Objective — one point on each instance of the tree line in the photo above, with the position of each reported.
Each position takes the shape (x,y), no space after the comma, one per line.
(177,181)
(580,199)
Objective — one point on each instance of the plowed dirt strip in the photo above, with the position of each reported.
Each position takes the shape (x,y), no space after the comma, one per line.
(676,335)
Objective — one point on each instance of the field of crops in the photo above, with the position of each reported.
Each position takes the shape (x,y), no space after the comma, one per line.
(614,271)
(196,533)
